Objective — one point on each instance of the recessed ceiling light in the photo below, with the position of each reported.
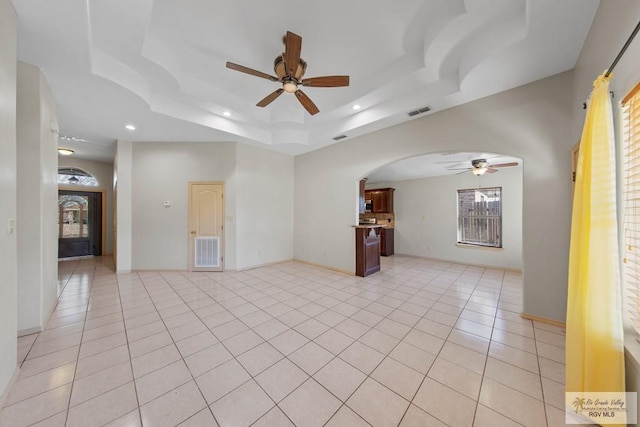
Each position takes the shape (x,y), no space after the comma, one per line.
(356,107)
(226,113)
(130,127)
(65,151)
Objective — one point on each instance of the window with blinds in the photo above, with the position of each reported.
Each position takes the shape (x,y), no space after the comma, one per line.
(480,217)
(631,221)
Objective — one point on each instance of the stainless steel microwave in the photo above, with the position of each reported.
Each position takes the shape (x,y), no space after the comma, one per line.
(368,206)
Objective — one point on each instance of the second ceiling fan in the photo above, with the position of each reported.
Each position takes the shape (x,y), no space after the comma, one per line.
(290,69)
(482,166)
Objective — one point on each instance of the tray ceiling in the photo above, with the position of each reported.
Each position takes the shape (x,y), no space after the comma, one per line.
(160,65)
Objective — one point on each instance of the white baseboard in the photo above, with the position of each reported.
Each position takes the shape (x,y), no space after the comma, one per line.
(266,264)
(546,320)
(29,331)
(513,270)
(339,270)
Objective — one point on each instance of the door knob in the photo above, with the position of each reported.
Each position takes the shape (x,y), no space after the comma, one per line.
(193,232)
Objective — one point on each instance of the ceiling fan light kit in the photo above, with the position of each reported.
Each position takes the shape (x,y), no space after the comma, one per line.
(479,171)
(289,69)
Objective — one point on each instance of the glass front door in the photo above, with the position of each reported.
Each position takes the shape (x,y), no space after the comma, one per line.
(79,223)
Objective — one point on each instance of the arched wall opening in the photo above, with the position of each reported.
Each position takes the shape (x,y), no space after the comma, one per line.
(529,122)
(425,216)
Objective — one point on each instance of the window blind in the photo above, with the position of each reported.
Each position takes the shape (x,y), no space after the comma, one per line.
(631,221)
(480,217)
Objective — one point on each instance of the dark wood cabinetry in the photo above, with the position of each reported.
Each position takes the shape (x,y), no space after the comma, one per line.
(367,250)
(361,198)
(381,200)
(386,242)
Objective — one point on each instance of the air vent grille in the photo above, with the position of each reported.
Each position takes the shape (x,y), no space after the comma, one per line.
(207,252)
(339,137)
(419,111)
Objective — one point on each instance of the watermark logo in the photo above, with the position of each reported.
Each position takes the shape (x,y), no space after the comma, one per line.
(601,408)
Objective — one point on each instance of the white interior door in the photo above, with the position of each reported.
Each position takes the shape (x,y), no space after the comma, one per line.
(206,226)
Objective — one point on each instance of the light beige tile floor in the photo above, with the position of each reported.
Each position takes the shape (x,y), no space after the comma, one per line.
(422,343)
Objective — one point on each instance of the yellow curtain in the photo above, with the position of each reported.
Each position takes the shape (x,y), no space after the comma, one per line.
(595,339)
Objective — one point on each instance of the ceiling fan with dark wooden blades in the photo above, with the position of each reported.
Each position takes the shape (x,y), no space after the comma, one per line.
(482,166)
(289,68)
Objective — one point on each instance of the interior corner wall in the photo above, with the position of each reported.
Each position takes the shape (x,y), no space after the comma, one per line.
(612,25)
(8,243)
(36,199)
(426,218)
(122,191)
(103,172)
(264,207)
(529,122)
(49,198)
(162,172)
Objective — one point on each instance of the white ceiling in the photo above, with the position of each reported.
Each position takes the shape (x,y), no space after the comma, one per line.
(160,64)
(436,164)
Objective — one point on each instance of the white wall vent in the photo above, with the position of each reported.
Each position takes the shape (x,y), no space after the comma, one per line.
(419,111)
(207,252)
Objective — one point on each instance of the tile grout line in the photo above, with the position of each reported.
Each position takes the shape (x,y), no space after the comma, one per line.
(43,392)
(388,295)
(234,357)
(182,357)
(438,354)
(486,360)
(126,335)
(75,369)
(162,319)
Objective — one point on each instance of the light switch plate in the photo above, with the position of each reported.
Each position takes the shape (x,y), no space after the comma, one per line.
(10,226)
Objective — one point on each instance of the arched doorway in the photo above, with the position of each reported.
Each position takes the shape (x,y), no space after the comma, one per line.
(457,206)
(79,214)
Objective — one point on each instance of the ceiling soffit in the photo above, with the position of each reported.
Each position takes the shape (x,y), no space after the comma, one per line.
(171,56)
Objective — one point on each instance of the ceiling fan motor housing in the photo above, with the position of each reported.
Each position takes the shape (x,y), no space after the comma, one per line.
(280,69)
(479,163)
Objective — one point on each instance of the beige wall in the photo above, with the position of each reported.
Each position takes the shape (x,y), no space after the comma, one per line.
(122,198)
(258,202)
(103,172)
(162,171)
(264,206)
(611,27)
(8,244)
(529,122)
(49,194)
(426,218)
(37,162)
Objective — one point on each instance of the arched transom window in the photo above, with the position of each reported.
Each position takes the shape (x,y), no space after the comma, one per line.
(76,176)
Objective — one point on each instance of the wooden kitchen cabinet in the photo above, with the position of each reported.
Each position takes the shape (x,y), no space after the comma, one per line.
(361,206)
(386,242)
(381,200)
(367,250)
